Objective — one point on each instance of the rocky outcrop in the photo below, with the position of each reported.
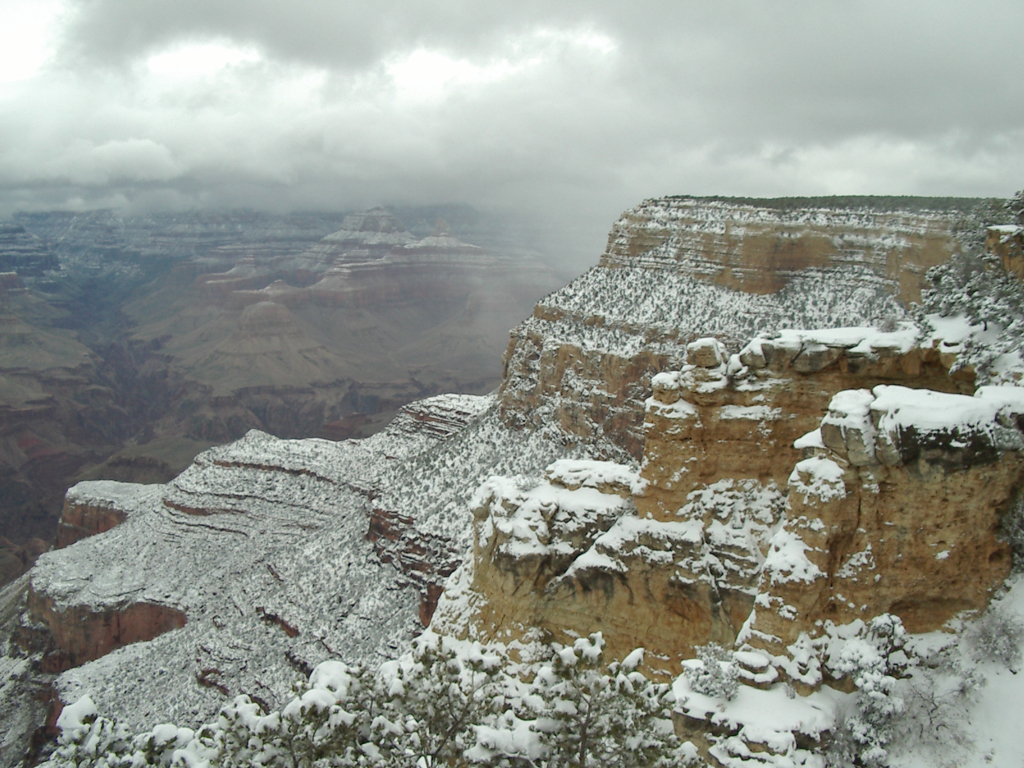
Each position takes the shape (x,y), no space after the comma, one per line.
(79,634)
(730,535)
(93,507)
(1006,243)
(679,268)
(737,418)
(897,511)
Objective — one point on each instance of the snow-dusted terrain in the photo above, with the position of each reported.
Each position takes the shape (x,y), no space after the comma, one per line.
(284,555)
(264,539)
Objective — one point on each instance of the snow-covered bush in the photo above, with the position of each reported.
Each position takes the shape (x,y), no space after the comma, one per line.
(715,674)
(997,636)
(433,698)
(975,285)
(593,714)
(444,703)
(874,661)
(87,739)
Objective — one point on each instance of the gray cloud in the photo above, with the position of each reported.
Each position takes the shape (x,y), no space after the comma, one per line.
(561,113)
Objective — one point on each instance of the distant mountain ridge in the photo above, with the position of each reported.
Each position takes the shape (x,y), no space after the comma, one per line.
(133,342)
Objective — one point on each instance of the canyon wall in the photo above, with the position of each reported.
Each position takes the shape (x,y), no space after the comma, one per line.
(679,268)
(897,517)
(130,344)
(638,471)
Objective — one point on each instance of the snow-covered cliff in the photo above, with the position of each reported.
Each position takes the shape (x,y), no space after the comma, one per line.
(621,462)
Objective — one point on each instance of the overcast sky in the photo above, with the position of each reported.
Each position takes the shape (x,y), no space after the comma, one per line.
(565,112)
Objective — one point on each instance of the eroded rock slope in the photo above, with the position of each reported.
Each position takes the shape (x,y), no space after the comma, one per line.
(282,553)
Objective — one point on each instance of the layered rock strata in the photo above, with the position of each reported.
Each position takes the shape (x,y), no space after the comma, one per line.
(264,558)
(758,249)
(283,553)
(729,535)
(679,268)
(23,253)
(213,554)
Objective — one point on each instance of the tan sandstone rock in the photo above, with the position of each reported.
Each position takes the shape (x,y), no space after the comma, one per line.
(767,504)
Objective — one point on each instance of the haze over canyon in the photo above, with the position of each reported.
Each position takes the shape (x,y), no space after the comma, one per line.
(776,443)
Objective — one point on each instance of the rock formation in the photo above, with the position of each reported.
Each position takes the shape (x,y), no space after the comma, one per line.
(679,268)
(901,511)
(666,461)
(93,508)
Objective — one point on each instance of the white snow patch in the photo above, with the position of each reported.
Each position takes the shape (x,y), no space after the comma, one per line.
(750,412)
(811,440)
(577,473)
(819,477)
(677,410)
(786,560)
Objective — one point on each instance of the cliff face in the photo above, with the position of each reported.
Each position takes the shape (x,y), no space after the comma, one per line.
(761,250)
(709,525)
(79,634)
(729,535)
(1007,244)
(900,512)
(679,268)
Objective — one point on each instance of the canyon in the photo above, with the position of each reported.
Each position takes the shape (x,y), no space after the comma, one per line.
(729,431)
(130,344)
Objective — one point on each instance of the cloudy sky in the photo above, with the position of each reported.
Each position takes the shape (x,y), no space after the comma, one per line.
(564,113)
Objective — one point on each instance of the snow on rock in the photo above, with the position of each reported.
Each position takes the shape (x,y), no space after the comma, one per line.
(95,506)
(847,428)
(73,716)
(575,474)
(558,516)
(263,545)
(123,496)
(679,410)
(708,352)
(810,442)
(925,411)
(787,560)
(761,721)
(909,421)
(759,413)
(818,477)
